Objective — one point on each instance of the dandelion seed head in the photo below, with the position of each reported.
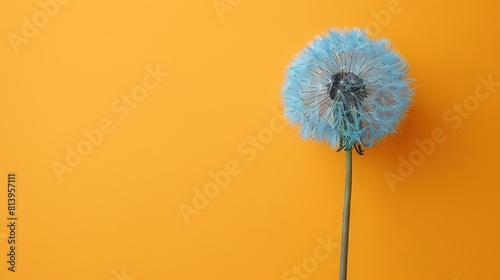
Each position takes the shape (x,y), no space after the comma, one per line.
(347,89)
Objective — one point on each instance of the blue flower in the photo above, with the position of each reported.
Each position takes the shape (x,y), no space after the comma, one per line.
(347,89)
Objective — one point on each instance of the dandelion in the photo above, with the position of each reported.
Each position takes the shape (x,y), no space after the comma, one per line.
(347,89)
(350,91)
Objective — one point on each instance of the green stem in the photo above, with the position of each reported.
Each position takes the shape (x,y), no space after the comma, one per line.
(346,216)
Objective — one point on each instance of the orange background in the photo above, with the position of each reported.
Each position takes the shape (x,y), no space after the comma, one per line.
(117,216)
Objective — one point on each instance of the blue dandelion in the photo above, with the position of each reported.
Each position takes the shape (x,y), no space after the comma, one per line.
(350,91)
(347,89)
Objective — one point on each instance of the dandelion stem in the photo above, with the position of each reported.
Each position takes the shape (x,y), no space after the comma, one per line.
(346,216)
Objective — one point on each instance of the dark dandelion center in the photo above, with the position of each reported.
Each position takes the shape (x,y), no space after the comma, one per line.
(349,87)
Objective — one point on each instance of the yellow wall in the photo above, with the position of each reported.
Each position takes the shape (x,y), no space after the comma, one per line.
(73,68)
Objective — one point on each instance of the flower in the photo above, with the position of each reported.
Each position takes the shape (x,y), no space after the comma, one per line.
(347,89)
